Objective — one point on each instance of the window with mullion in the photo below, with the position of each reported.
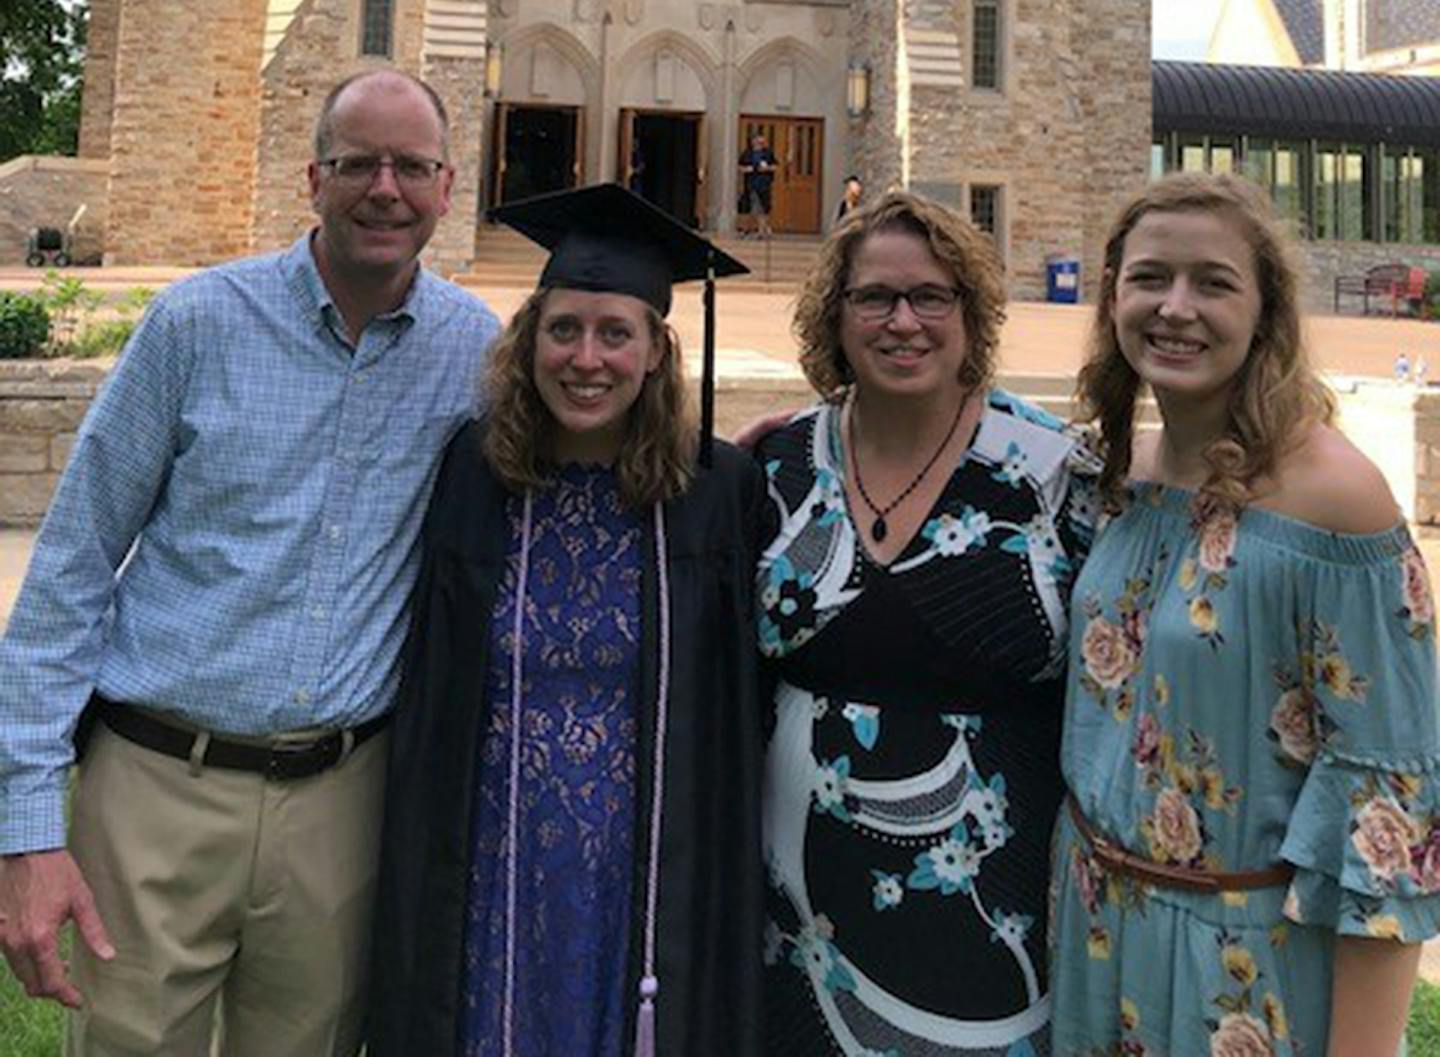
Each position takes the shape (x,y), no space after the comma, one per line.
(985,42)
(376,20)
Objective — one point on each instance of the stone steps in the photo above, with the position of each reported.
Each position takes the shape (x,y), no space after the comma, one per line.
(505,258)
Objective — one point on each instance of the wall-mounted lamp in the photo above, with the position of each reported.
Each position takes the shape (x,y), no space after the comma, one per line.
(857,89)
(494,56)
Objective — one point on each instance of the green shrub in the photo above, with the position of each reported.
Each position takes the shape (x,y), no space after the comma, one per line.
(24,326)
(102,339)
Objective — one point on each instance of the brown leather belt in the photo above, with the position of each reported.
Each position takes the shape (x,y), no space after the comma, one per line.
(1117,860)
(279,761)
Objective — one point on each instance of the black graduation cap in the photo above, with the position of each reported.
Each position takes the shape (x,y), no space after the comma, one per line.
(606,239)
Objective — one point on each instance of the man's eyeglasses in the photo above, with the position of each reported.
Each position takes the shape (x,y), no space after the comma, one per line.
(360,170)
(879,302)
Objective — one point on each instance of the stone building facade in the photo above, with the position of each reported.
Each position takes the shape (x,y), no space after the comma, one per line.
(1032,114)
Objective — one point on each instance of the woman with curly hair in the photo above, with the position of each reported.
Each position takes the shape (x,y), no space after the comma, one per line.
(1250,854)
(571,864)
(913,606)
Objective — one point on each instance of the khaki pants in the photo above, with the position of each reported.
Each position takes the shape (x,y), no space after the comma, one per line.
(222,889)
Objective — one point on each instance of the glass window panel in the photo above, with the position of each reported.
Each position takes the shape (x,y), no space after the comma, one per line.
(1356,195)
(1326,218)
(1412,195)
(1392,195)
(1428,161)
(1222,156)
(1289,187)
(376,19)
(1157,160)
(1192,154)
(985,44)
(985,207)
(1260,162)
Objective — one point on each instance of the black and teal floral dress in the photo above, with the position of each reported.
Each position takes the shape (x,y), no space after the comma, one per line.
(912,776)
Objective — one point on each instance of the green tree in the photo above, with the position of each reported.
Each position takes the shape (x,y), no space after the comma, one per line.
(42,47)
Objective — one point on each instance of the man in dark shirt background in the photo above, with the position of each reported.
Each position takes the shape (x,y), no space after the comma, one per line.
(758,168)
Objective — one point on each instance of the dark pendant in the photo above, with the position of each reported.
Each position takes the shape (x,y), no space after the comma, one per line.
(879,530)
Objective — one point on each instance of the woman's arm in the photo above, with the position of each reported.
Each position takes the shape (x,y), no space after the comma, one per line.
(1370,996)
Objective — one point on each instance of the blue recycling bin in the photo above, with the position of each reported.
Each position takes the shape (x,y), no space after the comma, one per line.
(1062,279)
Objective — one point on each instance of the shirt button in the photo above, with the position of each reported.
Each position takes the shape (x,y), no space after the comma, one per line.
(302,697)
(317,612)
(334,532)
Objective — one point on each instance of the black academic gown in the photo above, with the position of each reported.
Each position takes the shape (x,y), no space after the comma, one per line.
(710,914)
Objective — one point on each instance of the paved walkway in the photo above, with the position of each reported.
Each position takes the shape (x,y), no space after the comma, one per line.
(754,327)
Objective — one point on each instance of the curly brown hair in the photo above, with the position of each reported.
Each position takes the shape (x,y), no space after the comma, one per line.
(1275,396)
(968,254)
(657,455)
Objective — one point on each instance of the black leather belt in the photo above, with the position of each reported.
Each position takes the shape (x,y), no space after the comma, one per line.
(278,761)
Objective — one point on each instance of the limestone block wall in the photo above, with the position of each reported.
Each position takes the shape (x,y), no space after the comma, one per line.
(183,131)
(1323,261)
(42,403)
(1064,137)
(319,47)
(1113,47)
(1426,437)
(38,191)
(102,38)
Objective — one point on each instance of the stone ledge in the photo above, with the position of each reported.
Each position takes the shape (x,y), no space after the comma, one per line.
(64,370)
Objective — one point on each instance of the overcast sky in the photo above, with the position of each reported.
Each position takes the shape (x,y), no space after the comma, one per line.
(1182,27)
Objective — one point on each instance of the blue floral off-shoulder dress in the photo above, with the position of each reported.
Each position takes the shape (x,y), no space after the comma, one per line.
(912,777)
(1241,692)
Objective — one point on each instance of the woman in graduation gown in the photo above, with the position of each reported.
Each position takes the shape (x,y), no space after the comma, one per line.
(571,862)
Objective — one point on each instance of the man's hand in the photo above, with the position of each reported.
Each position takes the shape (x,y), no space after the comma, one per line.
(39,891)
(753,432)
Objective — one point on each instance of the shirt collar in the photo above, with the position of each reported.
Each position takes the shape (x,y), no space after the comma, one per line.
(303,276)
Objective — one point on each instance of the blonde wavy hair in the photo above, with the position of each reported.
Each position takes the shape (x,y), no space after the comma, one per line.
(657,455)
(1275,396)
(961,248)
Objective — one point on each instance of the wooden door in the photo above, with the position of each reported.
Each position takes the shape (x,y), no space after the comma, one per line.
(625,164)
(497,154)
(798,145)
(702,171)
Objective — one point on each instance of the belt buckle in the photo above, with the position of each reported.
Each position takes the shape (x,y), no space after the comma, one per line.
(288,760)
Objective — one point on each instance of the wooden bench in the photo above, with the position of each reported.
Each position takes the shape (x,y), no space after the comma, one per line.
(1383,283)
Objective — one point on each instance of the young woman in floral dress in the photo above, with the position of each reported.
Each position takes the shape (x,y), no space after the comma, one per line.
(1251,851)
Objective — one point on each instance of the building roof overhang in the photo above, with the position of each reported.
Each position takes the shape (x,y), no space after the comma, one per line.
(1295,104)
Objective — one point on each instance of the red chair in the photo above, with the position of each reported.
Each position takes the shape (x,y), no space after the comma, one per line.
(1408,292)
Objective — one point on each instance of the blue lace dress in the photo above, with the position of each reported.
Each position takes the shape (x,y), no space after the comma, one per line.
(577,778)
(913,775)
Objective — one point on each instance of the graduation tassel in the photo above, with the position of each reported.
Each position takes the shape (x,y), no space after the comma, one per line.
(645,1018)
(707,375)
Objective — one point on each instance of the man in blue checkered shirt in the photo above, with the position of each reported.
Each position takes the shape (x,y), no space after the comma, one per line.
(222,578)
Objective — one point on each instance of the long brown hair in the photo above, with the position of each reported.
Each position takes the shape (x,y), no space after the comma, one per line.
(1275,396)
(657,454)
(960,247)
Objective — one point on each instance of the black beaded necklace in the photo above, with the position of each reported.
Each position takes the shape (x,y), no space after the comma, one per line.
(879,529)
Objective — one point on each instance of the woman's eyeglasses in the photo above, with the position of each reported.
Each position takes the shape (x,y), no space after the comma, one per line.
(879,302)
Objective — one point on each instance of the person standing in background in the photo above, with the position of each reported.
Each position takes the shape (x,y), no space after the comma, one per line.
(757,167)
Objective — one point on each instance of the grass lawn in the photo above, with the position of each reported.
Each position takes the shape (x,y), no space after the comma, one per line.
(27,1029)
(32,1029)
